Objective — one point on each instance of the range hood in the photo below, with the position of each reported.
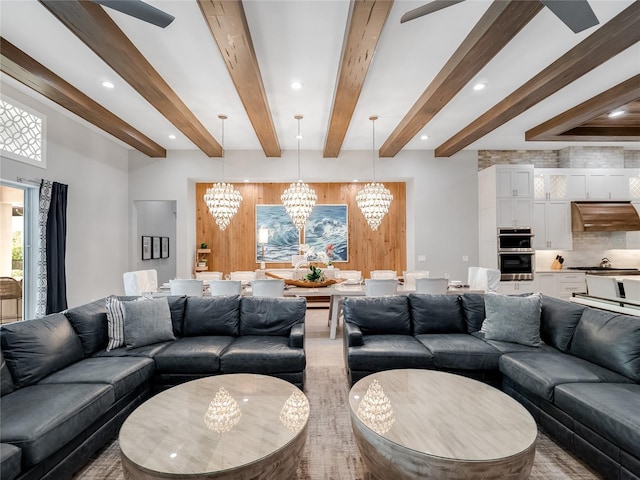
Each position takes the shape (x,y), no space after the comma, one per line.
(604,216)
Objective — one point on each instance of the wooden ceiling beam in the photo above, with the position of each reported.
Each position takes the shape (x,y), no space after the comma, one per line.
(228,25)
(607,41)
(364,26)
(17,64)
(497,27)
(91,24)
(568,124)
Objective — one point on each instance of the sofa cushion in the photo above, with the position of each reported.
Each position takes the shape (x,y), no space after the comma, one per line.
(473,308)
(148,351)
(10,460)
(508,347)
(219,315)
(436,314)
(271,316)
(513,319)
(177,304)
(115,322)
(147,322)
(609,340)
(90,323)
(192,355)
(609,409)
(558,321)
(460,351)
(262,354)
(36,348)
(540,372)
(379,315)
(6,382)
(41,418)
(387,352)
(124,374)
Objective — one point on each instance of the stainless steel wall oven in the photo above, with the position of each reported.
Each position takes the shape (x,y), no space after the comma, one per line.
(516,253)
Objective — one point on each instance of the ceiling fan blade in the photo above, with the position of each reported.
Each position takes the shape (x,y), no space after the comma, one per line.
(575,14)
(140,10)
(428,8)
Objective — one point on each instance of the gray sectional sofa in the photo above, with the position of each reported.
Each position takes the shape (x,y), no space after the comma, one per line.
(64,395)
(580,383)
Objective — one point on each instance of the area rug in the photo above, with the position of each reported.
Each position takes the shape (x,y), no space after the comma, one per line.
(331,453)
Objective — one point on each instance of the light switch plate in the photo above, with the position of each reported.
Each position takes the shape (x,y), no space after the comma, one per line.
(422,258)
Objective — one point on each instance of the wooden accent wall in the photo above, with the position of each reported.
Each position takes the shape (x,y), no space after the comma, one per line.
(234,248)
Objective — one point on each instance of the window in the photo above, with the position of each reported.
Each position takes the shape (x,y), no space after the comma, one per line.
(22,133)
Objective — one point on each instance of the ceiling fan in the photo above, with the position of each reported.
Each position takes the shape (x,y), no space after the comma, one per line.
(140,10)
(576,14)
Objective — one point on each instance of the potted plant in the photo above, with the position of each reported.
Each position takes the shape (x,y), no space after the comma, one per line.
(204,245)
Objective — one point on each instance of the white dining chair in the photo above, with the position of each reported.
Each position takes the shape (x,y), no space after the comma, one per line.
(484,279)
(190,287)
(351,276)
(378,287)
(140,281)
(410,277)
(603,287)
(245,277)
(268,288)
(631,289)
(432,286)
(209,276)
(225,287)
(384,274)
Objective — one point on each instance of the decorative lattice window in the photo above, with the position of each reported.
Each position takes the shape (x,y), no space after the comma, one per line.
(634,186)
(22,133)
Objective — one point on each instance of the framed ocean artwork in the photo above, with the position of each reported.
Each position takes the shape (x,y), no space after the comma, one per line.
(327,231)
(283,241)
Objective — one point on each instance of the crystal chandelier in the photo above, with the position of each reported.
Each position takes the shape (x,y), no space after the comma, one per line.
(375,409)
(222,199)
(223,413)
(299,198)
(374,199)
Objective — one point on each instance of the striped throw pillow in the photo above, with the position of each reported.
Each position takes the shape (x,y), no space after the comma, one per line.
(115,323)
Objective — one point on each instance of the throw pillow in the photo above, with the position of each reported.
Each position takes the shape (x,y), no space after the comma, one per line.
(147,322)
(115,323)
(513,319)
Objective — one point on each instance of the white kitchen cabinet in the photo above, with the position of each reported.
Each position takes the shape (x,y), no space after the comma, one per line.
(552,225)
(505,199)
(514,212)
(514,181)
(550,184)
(561,285)
(517,287)
(598,184)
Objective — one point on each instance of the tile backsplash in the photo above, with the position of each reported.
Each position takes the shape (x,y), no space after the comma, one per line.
(621,248)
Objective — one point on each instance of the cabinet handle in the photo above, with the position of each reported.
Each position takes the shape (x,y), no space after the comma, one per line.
(609,195)
(587,195)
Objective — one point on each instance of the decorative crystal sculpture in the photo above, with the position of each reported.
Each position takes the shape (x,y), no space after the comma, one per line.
(375,409)
(295,412)
(223,413)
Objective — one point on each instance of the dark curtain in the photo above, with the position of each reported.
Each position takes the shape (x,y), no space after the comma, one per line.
(56,249)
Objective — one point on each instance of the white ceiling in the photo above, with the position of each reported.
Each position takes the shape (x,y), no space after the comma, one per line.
(302,40)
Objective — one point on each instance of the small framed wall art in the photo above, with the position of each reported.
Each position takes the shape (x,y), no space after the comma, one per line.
(146,248)
(164,247)
(155,250)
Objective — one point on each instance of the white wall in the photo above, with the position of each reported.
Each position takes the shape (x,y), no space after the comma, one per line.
(441,195)
(156,219)
(96,170)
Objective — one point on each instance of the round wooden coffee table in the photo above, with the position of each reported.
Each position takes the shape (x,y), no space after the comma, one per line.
(427,424)
(238,426)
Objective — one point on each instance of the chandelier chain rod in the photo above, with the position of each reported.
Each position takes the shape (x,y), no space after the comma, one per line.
(298,138)
(222,139)
(373,148)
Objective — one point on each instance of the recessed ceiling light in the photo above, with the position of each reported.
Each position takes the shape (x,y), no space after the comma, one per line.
(355,180)
(479,86)
(616,113)
(299,137)
(246,180)
(295,85)
(424,137)
(107,84)
(172,136)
